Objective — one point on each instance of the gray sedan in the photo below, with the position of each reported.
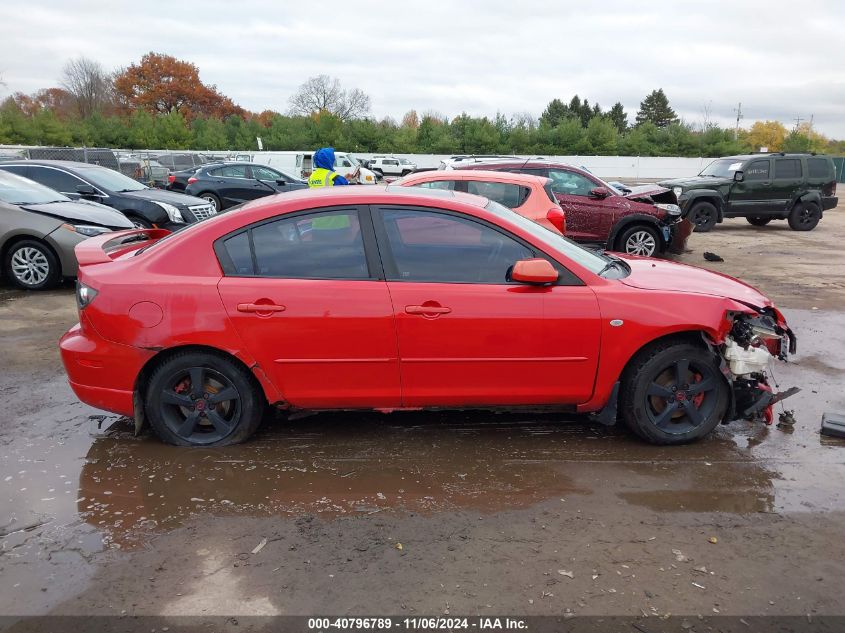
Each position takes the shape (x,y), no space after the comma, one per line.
(39,229)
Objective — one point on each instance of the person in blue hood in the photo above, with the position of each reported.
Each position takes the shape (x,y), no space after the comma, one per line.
(323,174)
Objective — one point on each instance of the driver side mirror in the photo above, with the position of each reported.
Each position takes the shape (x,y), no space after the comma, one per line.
(739,176)
(534,271)
(280,181)
(600,192)
(86,190)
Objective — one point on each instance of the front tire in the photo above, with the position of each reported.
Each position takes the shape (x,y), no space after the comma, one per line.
(32,265)
(639,240)
(673,393)
(704,216)
(202,399)
(756,220)
(139,223)
(804,216)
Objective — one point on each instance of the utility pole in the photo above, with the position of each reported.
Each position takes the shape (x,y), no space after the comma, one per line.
(798,120)
(738,111)
(810,129)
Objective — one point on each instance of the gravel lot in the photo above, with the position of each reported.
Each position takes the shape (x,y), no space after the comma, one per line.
(490,510)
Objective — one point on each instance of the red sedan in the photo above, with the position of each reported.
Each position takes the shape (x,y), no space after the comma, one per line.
(400,298)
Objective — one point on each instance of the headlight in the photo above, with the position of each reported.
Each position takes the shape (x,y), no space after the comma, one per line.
(85,229)
(677,191)
(172,212)
(671,209)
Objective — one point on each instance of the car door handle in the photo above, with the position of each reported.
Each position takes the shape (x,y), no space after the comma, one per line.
(427,310)
(260,307)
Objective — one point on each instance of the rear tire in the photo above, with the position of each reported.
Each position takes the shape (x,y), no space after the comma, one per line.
(213,200)
(640,240)
(756,220)
(704,216)
(673,393)
(804,216)
(32,265)
(202,399)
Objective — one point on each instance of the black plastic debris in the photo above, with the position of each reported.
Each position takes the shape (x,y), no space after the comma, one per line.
(712,257)
(833,424)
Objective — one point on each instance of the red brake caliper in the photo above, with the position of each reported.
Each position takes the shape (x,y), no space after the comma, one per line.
(698,398)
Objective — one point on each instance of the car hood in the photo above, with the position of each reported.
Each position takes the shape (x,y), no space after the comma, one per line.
(651,193)
(696,182)
(82,212)
(161,195)
(648,273)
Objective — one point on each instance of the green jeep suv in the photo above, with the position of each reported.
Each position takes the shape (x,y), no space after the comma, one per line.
(759,188)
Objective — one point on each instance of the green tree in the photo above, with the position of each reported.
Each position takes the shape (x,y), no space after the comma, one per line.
(568,137)
(172,132)
(602,136)
(555,112)
(618,117)
(15,126)
(796,142)
(209,134)
(142,130)
(655,109)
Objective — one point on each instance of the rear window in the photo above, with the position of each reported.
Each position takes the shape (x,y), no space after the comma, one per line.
(787,168)
(819,168)
(506,194)
(550,192)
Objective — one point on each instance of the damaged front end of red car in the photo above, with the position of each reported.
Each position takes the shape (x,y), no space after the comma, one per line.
(751,342)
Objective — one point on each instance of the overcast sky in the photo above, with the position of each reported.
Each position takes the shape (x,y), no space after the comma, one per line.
(780,58)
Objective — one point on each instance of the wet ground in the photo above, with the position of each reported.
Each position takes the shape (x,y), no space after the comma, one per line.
(419,513)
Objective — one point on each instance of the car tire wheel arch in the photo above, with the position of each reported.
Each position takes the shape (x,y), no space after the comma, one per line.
(627,221)
(8,248)
(691,344)
(254,400)
(218,203)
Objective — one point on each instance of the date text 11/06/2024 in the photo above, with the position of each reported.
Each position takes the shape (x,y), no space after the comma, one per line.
(417,623)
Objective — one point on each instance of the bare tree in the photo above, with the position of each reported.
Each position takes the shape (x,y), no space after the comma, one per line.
(89,84)
(324,93)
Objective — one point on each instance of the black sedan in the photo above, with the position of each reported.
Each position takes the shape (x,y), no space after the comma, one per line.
(223,185)
(143,206)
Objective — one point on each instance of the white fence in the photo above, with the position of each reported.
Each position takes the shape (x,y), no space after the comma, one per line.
(629,168)
(625,168)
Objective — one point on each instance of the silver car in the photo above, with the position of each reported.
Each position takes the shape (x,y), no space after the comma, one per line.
(39,229)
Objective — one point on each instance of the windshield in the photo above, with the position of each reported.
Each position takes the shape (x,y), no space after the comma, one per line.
(590,260)
(722,168)
(352,160)
(105,178)
(404,161)
(18,190)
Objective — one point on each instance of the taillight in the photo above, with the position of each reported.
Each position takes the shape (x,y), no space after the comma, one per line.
(557,218)
(191,180)
(84,294)
(171,178)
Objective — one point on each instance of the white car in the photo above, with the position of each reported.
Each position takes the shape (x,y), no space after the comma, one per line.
(456,162)
(392,166)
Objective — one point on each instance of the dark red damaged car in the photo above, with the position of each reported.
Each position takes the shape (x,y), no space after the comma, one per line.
(645,220)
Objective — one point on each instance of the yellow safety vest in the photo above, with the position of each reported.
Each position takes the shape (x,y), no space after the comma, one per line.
(321,178)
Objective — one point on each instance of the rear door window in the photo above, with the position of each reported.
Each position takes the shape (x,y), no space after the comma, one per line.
(231,171)
(506,194)
(55,179)
(787,168)
(264,173)
(321,245)
(447,185)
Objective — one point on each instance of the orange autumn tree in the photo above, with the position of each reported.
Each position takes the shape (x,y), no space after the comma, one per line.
(160,84)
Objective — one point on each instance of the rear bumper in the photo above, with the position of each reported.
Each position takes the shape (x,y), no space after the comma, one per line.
(101,373)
